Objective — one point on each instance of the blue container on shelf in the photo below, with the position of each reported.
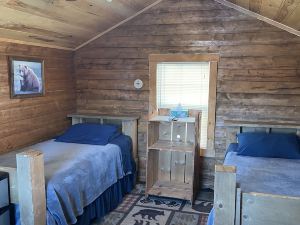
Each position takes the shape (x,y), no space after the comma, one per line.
(179,112)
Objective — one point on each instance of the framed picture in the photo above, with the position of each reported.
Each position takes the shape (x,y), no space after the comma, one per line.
(26,77)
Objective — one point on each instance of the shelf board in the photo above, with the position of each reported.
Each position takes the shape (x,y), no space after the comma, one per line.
(167,119)
(172,146)
(171,190)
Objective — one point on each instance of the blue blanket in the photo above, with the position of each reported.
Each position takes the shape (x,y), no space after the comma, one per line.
(77,174)
(125,144)
(266,175)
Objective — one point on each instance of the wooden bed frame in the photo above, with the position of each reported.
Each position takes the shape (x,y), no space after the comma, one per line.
(234,207)
(27,180)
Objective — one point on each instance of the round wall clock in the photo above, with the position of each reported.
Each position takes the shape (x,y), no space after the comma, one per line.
(138,84)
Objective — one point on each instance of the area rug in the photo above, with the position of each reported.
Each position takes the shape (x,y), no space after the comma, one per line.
(136,209)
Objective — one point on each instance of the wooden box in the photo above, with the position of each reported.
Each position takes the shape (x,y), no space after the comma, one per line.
(173,157)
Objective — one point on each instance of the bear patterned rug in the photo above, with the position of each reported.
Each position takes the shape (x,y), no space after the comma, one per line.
(136,209)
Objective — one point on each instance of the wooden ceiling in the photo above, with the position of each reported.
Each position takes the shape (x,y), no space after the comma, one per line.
(286,12)
(69,24)
(62,23)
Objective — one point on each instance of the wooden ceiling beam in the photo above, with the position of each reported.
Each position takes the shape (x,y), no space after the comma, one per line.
(259,17)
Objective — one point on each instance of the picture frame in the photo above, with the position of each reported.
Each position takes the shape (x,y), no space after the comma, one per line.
(26,77)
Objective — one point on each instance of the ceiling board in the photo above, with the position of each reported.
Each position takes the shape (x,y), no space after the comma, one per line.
(57,12)
(294,18)
(255,5)
(286,12)
(63,23)
(242,3)
(270,8)
(287,7)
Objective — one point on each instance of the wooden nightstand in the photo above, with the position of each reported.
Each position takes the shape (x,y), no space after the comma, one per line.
(173,157)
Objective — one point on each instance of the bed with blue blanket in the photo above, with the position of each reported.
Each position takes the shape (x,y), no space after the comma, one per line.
(88,170)
(265,163)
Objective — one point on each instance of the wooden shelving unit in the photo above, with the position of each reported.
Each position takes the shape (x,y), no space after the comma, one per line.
(173,157)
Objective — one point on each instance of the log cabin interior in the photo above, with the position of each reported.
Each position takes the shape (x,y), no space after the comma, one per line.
(149,112)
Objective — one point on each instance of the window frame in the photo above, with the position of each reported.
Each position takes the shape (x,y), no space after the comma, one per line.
(213,59)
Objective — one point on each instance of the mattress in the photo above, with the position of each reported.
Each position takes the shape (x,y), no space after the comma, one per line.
(75,175)
(266,175)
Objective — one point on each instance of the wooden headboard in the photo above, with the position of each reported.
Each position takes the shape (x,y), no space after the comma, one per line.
(235,127)
(128,125)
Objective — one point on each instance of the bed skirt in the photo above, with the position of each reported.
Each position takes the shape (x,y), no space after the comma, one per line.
(105,203)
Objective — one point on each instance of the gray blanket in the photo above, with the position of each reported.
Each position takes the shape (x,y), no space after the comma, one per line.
(276,176)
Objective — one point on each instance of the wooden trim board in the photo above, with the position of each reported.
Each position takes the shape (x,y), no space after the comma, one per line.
(98,116)
(35,44)
(212,102)
(273,124)
(209,57)
(260,17)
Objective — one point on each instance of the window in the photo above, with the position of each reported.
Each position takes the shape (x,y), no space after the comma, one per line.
(187,84)
(189,80)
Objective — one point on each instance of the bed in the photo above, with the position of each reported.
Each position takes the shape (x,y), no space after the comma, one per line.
(251,190)
(83,181)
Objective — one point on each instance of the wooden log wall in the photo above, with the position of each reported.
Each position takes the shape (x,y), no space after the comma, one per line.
(258,72)
(30,120)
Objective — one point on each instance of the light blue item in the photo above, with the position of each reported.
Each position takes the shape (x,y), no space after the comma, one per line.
(211,217)
(179,112)
(267,175)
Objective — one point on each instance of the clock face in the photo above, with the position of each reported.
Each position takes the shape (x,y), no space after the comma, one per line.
(138,84)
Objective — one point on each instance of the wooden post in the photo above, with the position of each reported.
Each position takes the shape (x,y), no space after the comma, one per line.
(31,187)
(129,127)
(231,133)
(75,120)
(225,195)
